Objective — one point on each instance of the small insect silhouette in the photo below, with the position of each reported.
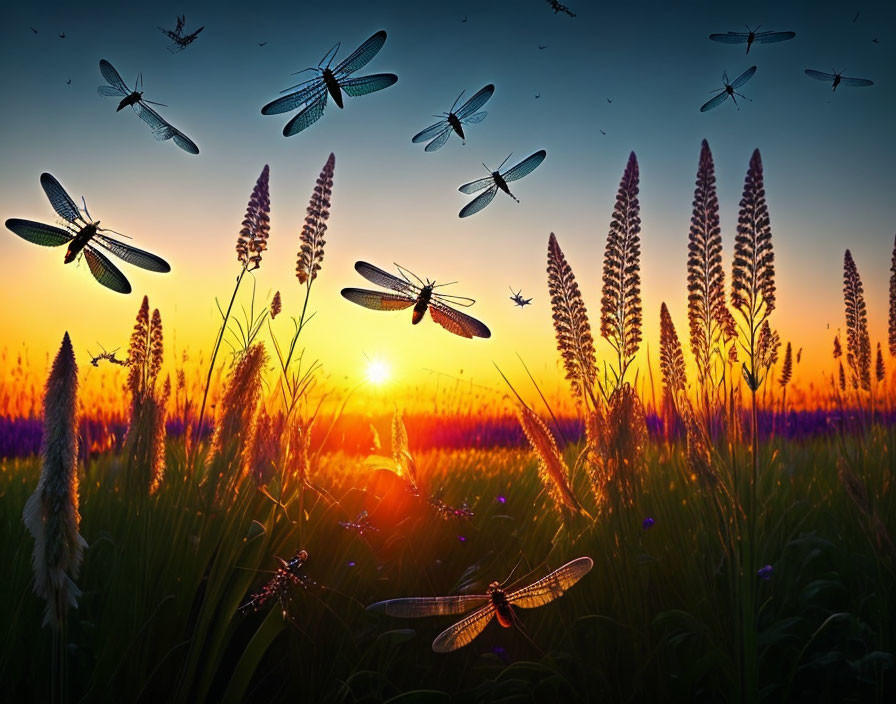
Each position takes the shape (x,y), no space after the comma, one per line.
(610,100)
(542,46)
(108,356)
(497,180)
(33,30)
(261,43)
(464,19)
(557,7)
(422,296)
(496,602)
(537,96)
(601,131)
(83,234)
(360,525)
(179,40)
(752,36)
(728,90)
(518,299)
(454,120)
(837,79)
(288,575)
(68,82)
(311,95)
(62,36)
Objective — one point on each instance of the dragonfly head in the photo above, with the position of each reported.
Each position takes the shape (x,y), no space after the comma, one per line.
(493,587)
(303,555)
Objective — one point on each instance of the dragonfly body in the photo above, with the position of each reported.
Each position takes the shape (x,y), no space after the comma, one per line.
(332,86)
(498,180)
(503,609)
(85,234)
(752,36)
(131,99)
(456,125)
(837,79)
(728,90)
(454,120)
(422,304)
(518,299)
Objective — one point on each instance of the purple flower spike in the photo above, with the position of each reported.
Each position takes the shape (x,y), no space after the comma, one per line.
(462,538)
(502,499)
(647,523)
(765,573)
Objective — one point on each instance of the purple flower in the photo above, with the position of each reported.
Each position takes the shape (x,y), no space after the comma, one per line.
(462,538)
(502,499)
(647,523)
(351,564)
(765,573)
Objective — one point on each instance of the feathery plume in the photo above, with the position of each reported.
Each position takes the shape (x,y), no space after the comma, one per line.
(137,352)
(786,367)
(618,462)
(51,513)
(671,356)
(858,342)
(698,454)
(276,305)
(621,302)
(842,378)
(253,238)
(401,453)
(880,371)
(571,326)
(311,252)
(767,347)
(837,349)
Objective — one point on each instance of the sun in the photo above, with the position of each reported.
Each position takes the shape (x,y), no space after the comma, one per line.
(377,372)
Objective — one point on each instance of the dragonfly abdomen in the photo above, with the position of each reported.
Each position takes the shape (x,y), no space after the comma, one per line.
(332,86)
(85,234)
(456,125)
(422,304)
(503,610)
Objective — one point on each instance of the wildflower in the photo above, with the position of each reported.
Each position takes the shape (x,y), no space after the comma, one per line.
(502,500)
(276,305)
(765,573)
(647,523)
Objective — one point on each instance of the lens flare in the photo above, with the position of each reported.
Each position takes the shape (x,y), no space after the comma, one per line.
(377,372)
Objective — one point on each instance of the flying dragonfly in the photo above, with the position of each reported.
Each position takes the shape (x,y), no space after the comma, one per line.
(83,235)
(180,41)
(455,120)
(728,91)
(497,180)
(518,299)
(422,296)
(311,95)
(837,79)
(289,574)
(495,603)
(751,36)
(161,128)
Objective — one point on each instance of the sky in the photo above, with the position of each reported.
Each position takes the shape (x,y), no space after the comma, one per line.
(828,164)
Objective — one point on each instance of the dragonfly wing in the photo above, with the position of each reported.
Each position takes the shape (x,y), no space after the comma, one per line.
(439,141)
(105,271)
(744,77)
(473,119)
(113,78)
(479,202)
(476,102)
(459,323)
(429,132)
(368,84)
(552,586)
(730,37)
(463,632)
(310,114)
(525,167)
(429,606)
(38,233)
(714,102)
(476,185)
(362,55)
(110,92)
(771,37)
(132,255)
(820,75)
(378,300)
(161,130)
(60,200)
(294,100)
(184,142)
(383,278)
(856,82)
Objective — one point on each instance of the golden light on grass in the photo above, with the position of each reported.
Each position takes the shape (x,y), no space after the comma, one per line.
(378,372)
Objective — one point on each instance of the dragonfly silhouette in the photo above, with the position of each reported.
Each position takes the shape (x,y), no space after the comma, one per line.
(422,296)
(161,128)
(289,574)
(454,121)
(752,36)
(83,235)
(497,180)
(838,79)
(311,95)
(180,41)
(728,91)
(518,299)
(495,603)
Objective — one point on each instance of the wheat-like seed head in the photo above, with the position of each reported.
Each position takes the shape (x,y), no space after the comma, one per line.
(842,378)
(311,251)
(671,356)
(858,342)
(767,347)
(786,367)
(138,349)
(276,305)
(837,349)
(253,237)
(880,371)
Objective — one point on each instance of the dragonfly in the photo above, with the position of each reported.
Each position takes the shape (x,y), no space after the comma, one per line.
(360,525)
(752,36)
(496,602)
(161,128)
(837,79)
(311,95)
(498,180)
(422,296)
(288,575)
(83,235)
(180,41)
(518,299)
(728,91)
(455,120)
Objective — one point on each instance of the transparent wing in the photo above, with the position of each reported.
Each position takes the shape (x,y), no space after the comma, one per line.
(368,84)
(38,233)
(110,92)
(730,37)
(112,76)
(463,632)
(525,167)
(554,585)
(714,102)
(476,102)
(459,323)
(473,119)
(105,271)
(383,278)
(184,142)
(439,141)
(310,114)
(454,300)
(429,132)
(476,185)
(416,607)
(294,100)
(744,77)
(770,37)
(377,300)
(479,202)
(856,82)
(820,75)
(161,130)
(362,55)
(132,255)
(60,200)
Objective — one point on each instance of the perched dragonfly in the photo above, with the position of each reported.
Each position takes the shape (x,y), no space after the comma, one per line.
(837,79)
(422,296)
(161,128)
(752,36)
(498,180)
(311,95)
(180,41)
(360,525)
(518,299)
(455,120)
(83,235)
(728,91)
(288,575)
(495,603)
